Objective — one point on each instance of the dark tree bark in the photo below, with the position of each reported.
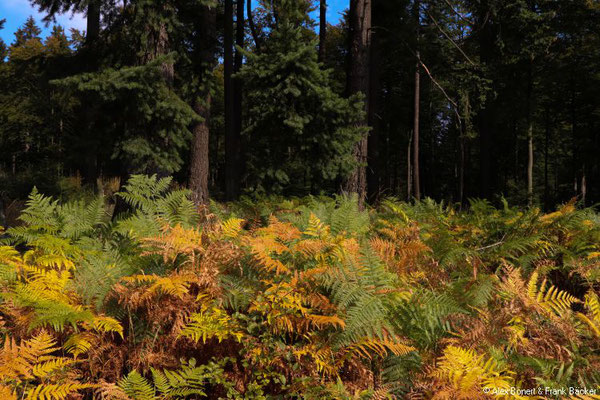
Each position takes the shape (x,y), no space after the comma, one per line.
(231,139)
(253,31)
(374,159)
(546,144)
(358,82)
(485,118)
(90,61)
(530,135)
(93,22)
(199,164)
(417,108)
(409,169)
(322,29)
(237,83)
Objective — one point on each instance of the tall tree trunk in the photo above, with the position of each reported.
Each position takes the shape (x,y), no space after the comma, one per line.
(583,187)
(417,108)
(322,28)
(486,116)
(253,31)
(374,170)
(358,82)
(530,135)
(93,22)
(575,148)
(530,164)
(546,144)
(90,168)
(238,84)
(409,170)
(231,139)
(199,164)
(461,177)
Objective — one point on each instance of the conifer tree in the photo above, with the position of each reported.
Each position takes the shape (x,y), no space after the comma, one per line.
(300,133)
(92,9)
(3,48)
(30,113)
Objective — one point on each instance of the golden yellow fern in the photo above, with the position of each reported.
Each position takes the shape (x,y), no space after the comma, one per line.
(467,375)
(56,391)
(367,346)
(7,393)
(592,304)
(173,242)
(79,343)
(549,298)
(231,228)
(33,363)
(211,322)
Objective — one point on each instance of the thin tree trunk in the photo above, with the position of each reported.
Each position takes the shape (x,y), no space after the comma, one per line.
(546,143)
(322,28)
(409,170)
(461,182)
(530,164)
(253,31)
(486,124)
(374,170)
(238,84)
(199,165)
(583,187)
(358,82)
(231,139)
(416,123)
(417,101)
(575,150)
(530,135)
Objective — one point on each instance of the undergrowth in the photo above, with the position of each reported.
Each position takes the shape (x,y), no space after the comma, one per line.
(295,299)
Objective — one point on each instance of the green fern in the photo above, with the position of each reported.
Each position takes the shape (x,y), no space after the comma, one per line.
(137,387)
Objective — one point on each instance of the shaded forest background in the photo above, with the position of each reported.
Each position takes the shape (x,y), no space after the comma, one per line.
(446,99)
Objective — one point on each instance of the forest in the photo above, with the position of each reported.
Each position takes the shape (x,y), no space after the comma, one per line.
(237,199)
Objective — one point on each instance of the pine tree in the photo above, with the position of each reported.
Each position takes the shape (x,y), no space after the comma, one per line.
(31,114)
(57,42)
(3,49)
(92,9)
(29,31)
(300,133)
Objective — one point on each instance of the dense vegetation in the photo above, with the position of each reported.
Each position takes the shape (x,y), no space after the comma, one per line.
(448,99)
(236,199)
(295,298)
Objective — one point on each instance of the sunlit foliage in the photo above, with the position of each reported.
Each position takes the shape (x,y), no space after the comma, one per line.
(298,299)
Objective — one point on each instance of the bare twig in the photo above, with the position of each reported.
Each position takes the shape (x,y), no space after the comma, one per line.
(449,38)
(459,14)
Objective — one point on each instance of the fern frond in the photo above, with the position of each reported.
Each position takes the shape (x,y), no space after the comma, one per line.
(7,393)
(366,347)
(137,387)
(231,228)
(185,382)
(210,322)
(79,343)
(43,369)
(549,298)
(56,391)
(106,324)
